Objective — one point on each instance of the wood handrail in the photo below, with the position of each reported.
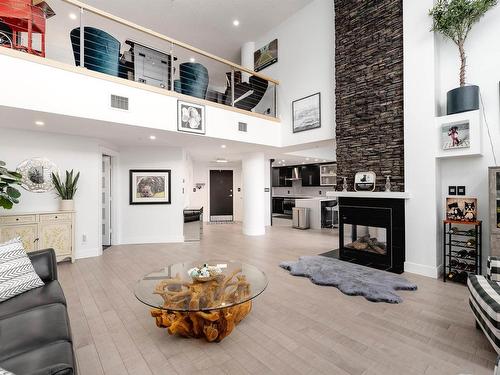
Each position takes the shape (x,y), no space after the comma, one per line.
(137,27)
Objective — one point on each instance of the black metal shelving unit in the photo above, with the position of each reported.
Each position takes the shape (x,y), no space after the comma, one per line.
(462,249)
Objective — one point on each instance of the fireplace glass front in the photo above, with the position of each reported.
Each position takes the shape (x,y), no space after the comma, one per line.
(366,238)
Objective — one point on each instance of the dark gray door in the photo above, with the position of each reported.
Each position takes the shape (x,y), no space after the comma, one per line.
(221,195)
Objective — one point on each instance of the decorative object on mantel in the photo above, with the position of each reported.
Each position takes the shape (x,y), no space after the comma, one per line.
(387,186)
(351,279)
(150,186)
(454,19)
(66,190)
(461,209)
(306,113)
(344,183)
(365,181)
(459,134)
(9,195)
(37,174)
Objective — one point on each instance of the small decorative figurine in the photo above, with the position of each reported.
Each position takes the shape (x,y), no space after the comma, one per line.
(387,183)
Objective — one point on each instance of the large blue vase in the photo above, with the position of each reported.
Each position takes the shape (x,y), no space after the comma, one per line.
(102,51)
(194,79)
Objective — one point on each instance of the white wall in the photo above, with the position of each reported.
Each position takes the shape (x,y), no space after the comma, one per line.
(67,152)
(483,62)
(151,223)
(306,59)
(200,197)
(422,225)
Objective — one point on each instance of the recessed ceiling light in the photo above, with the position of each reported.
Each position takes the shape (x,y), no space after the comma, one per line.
(223,146)
(39,123)
(307,159)
(282,161)
(324,161)
(221,161)
(72,16)
(236,23)
(192,59)
(152,137)
(315,159)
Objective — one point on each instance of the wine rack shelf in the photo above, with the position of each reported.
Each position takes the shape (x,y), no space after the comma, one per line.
(462,250)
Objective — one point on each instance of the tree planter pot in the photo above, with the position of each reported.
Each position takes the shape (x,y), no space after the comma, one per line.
(66,205)
(462,99)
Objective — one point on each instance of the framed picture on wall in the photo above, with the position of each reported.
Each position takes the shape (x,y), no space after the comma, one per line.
(150,186)
(306,113)
(190,117)
(266,56)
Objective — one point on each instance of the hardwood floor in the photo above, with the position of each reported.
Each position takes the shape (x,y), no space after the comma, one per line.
(295,327)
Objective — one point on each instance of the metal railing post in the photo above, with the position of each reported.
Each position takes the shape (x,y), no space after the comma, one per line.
(232,87)
(82,40)
(275,100)
(172,87)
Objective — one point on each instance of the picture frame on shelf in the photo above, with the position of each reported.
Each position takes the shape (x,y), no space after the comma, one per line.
(306,113)
(150,186)
(191,117)
(463,209)
(458,135)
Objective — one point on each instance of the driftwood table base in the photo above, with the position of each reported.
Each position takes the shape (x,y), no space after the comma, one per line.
(213,325)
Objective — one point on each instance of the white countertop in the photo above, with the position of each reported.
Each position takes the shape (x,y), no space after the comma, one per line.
(369,194)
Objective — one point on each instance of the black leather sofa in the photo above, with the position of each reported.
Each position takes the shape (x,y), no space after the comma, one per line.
(35,334)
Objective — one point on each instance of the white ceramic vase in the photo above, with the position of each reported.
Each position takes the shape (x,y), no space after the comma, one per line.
(66,205)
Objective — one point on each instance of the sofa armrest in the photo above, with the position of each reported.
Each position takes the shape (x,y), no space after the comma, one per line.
(45,264)
(493,268)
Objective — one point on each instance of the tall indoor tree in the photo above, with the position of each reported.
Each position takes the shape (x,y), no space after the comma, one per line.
(455,18)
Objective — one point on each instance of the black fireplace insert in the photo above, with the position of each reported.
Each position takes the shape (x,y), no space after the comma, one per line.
(372,232)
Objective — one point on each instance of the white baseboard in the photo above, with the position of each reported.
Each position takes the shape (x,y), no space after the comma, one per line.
(424,270)
(87,253)
(159,239)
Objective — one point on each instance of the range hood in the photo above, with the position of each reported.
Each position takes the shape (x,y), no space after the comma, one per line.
(295,175)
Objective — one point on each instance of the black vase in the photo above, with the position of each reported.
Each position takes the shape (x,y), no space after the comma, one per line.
(462,99)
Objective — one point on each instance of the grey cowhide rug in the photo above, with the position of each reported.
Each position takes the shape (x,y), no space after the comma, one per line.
(350,278)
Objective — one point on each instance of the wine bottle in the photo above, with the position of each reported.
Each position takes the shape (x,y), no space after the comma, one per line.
(462,253)
(471,242)
(462,276)
(472,254)
(453,263)
(452,275)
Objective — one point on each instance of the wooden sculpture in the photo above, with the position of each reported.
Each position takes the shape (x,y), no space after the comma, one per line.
(206,316)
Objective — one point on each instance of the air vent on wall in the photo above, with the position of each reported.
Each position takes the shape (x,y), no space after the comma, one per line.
(242,126)
(119,102)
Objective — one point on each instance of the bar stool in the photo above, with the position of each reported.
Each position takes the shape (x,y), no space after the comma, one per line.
(330,212)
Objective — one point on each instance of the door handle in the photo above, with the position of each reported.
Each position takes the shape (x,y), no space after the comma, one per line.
(230,195)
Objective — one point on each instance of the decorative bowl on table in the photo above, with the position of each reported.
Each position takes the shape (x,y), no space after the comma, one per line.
(205,273)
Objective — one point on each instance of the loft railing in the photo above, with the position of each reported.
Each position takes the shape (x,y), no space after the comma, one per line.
(72,32)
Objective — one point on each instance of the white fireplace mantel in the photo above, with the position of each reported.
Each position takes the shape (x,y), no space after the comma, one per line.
(369,194)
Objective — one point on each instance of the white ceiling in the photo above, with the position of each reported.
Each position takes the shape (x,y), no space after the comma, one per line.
(206,24)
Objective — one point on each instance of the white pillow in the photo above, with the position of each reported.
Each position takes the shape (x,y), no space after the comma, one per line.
(17,274)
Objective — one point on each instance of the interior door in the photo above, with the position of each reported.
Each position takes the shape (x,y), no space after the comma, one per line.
(106,201)
(221,195)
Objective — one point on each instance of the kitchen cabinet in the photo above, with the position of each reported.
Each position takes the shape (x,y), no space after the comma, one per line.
(310,175)
(278,205)
(281,177)
(328,174)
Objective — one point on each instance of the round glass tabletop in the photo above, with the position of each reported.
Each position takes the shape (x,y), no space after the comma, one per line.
(173,289)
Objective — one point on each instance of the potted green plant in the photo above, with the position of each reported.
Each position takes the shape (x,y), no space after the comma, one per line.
(66,190)
(9,195)
(454,19)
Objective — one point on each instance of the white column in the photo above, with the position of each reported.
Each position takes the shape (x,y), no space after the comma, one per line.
(254,209)
(247,51)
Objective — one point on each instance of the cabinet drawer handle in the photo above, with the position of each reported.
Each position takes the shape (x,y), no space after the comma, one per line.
(56,217)
(36,239)
(17,219)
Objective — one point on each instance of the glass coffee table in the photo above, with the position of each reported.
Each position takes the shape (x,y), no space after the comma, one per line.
(197,306)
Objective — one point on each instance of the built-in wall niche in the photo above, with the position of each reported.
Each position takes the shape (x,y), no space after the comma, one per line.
(458,135)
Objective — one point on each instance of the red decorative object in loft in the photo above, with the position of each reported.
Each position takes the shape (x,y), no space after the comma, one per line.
(22,25)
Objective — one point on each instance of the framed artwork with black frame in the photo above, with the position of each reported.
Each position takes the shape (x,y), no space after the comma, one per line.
(150,186)
(306,113)
(190,117)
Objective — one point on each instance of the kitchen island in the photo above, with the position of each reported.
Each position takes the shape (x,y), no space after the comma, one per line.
(315,205)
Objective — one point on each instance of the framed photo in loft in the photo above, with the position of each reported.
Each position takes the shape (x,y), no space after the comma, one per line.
(190,117)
